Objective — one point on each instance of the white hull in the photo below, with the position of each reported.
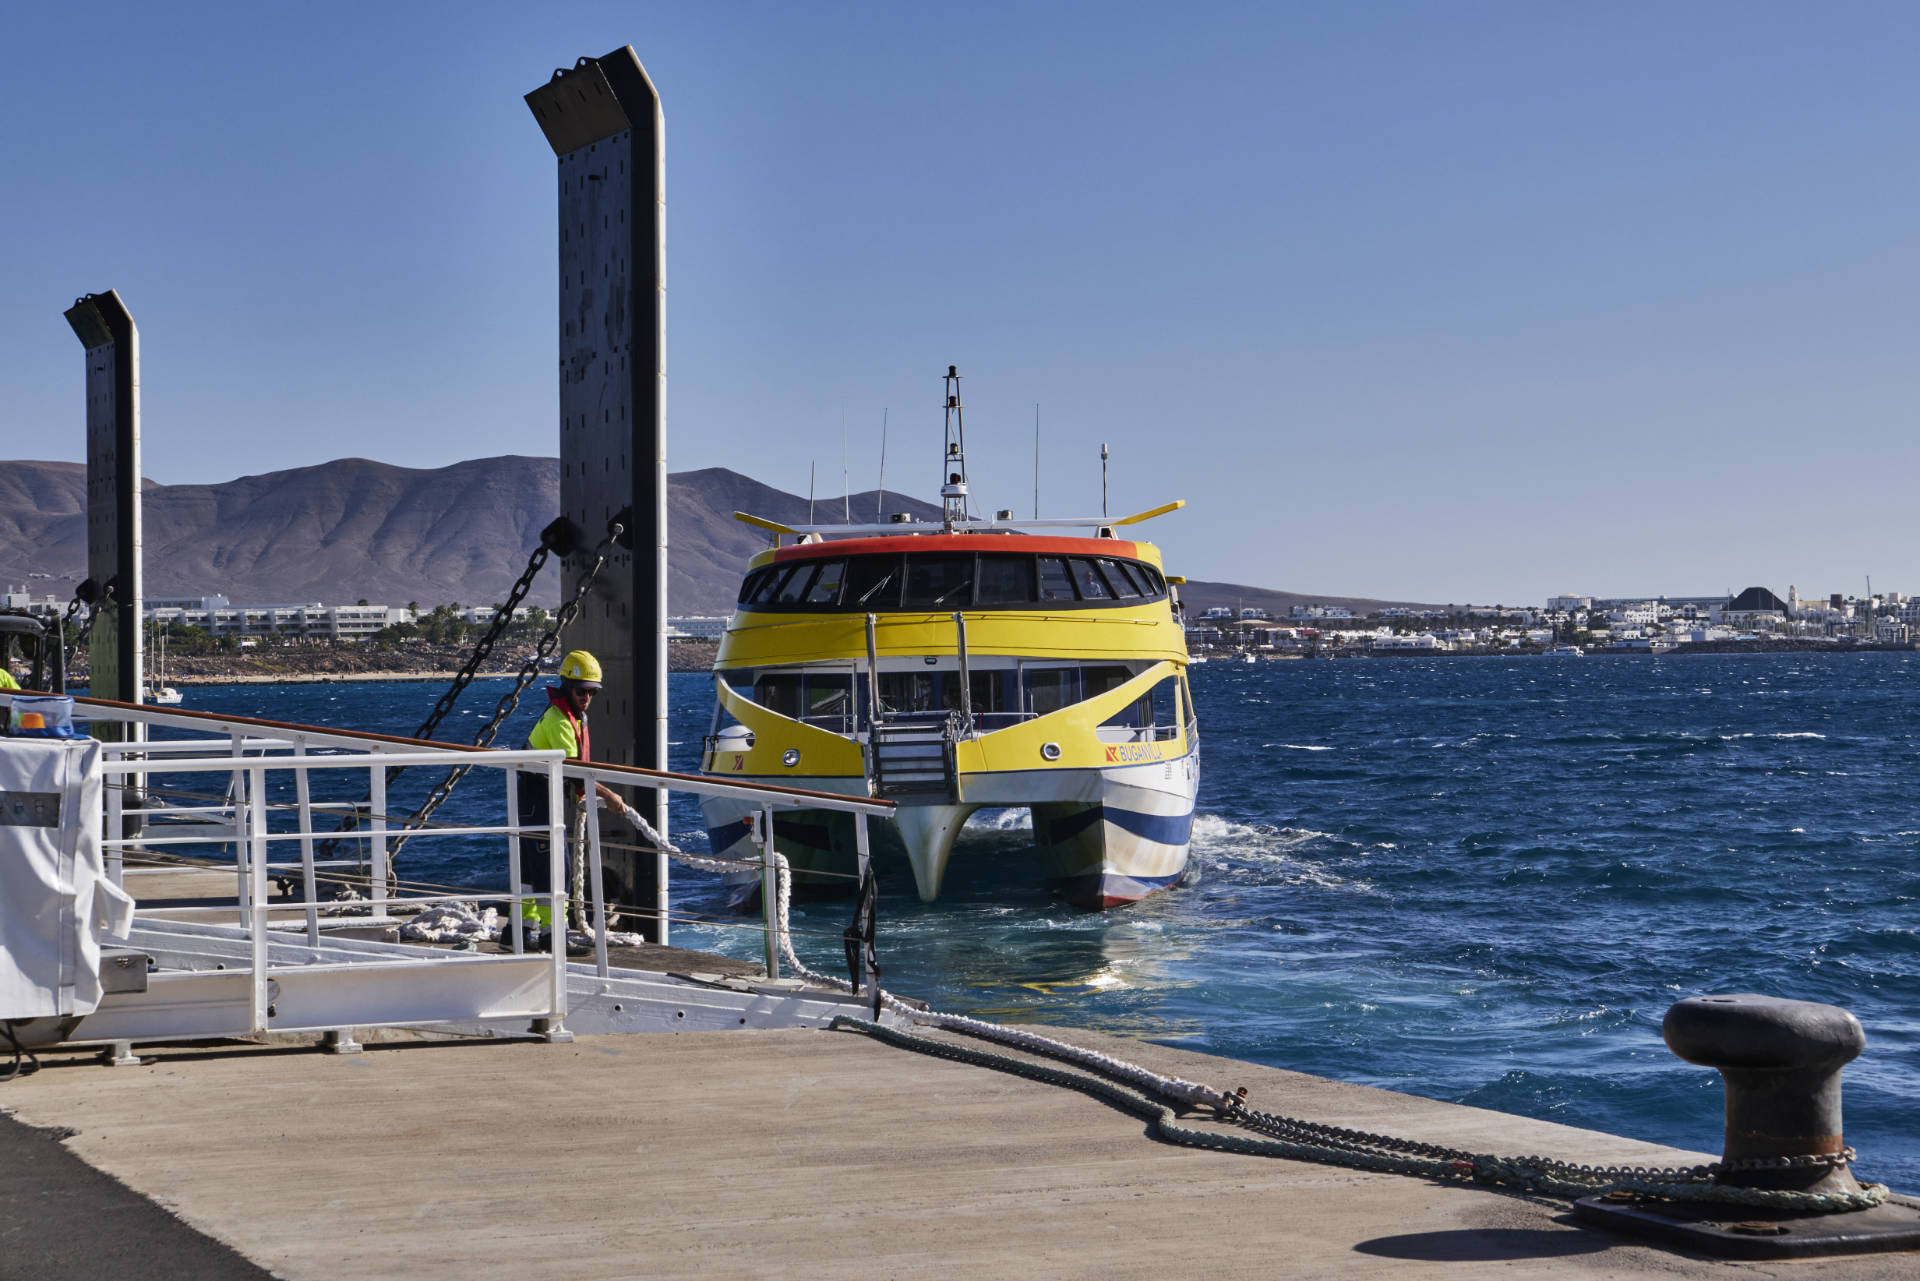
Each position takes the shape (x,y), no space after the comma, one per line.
(1103,837)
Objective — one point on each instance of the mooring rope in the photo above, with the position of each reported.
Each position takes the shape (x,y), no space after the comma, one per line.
(1145,1093)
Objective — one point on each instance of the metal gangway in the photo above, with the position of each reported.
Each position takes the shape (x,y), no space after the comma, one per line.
(243,799)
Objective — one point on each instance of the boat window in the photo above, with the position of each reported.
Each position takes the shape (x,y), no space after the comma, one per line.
(830,701)
(873,583)
(779,692)
(770,582)
(1086,576)
(1122,579)
(794,589)
(989,691)
(1165,698)
(910,692)
(1155,715)
(1005,580)
(1051,688)
(1054,582)
(939,582)
(1101,680)
(826,584)
(877,583)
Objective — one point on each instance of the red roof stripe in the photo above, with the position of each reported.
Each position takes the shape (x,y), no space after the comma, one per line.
(958,542)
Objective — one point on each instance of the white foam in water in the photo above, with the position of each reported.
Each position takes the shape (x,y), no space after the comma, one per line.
(1298,747)
(1010,820)
(1222,840)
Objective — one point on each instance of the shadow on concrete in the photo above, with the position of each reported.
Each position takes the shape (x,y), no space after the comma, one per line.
(62,1219)
(1486,1245)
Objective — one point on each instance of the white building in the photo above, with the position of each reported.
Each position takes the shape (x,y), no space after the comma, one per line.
(1569,603)
(1423,641)
(696,628)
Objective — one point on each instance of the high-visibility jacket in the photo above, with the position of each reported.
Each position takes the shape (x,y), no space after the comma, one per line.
(6,678)
(558,727)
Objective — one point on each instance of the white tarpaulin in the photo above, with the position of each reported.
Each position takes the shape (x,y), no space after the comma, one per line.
(56,902)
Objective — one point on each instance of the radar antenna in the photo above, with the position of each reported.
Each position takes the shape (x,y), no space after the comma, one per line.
(953,490)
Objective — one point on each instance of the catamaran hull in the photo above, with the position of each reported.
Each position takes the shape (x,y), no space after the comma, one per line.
(1102,837)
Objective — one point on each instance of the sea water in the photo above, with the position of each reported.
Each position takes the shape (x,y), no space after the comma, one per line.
(1478,879)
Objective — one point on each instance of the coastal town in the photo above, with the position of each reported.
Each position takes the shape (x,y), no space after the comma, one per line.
(1565,626)
(210,637)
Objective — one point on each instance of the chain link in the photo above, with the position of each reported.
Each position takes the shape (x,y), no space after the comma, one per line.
(561,536)
(70,639)
(529,672)
(1357,1149)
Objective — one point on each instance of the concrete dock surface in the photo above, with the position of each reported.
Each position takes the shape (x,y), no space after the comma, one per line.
(769,1154)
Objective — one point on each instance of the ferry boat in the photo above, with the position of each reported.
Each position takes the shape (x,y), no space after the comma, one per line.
(958,665)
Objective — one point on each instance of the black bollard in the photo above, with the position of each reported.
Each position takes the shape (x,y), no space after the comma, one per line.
(1781,1062)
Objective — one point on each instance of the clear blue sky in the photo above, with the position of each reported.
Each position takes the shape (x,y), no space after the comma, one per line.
(1445,301)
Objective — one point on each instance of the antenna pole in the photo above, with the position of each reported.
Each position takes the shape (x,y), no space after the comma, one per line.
(846,482)
(1103,480)
(1036,462)
(812,465)
(880,490)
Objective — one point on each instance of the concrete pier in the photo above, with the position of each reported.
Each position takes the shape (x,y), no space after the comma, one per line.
(791,1154)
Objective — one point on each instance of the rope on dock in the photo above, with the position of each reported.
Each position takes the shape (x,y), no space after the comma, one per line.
(1353,1149)
(1142,1092)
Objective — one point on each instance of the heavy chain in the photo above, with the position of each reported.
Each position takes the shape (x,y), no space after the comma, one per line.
(70,639)
(562,536)
(1564,1178)
(85,594)
(1356,1149)
(529,672)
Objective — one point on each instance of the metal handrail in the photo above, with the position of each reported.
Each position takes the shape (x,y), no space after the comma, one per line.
(234,747)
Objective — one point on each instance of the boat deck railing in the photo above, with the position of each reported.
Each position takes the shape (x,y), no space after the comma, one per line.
(297,816)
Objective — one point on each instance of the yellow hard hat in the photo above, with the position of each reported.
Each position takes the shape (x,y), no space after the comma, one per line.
(580,666)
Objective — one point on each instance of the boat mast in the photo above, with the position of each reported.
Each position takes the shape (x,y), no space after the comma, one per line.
(953,493)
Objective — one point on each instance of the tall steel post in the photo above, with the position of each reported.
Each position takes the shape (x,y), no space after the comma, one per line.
(602,118)
(115,652)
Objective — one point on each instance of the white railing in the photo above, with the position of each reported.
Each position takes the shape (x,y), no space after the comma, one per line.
(272,839)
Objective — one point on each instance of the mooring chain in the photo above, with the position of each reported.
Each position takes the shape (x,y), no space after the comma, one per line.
(529,672)
(1355,1149)
(562,536)
(93,598)
(1539,1173)
(69,637)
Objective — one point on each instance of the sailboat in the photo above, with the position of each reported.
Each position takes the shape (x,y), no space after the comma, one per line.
(158,691)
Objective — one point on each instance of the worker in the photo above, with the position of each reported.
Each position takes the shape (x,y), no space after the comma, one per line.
(562,726)
(6,677)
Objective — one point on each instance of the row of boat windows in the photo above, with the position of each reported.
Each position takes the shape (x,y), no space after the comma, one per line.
(836,701)
(949,580)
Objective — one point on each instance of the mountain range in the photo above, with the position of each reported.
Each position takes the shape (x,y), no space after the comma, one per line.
(355,529)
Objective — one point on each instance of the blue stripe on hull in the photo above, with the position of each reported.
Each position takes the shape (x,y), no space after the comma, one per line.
(1110,889)
(1161,829)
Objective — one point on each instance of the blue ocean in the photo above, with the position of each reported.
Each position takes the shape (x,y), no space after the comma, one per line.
(1481,880)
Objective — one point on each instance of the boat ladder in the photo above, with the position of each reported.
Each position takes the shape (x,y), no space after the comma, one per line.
(913,759)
